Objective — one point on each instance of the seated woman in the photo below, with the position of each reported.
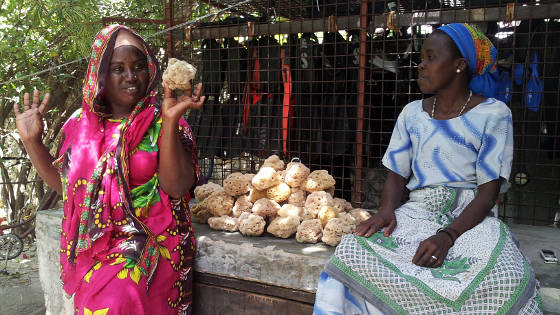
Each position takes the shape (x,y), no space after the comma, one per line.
(443,251)
(124,171)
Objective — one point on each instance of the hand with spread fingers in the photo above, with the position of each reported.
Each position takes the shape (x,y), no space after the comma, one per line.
(29,122)
(432,251)
(173,108)
(382,219)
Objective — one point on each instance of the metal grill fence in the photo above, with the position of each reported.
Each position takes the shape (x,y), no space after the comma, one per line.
(324,81)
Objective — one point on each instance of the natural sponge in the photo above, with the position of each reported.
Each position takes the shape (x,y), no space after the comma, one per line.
(242,204)
(359,215)
(290,210)
(297,197)
(326,213)
(201,213)
(342,205)
(219,203)
(223,223)
(309,231)
(203,191)
(265,207)
(255,194)
(318,180)
(265,178)
(346,217)
(314,203)
(179,74)
(251,224)
(333,231)
(237,184)
(274,162)
(283,227)
(296,173)
(279,192)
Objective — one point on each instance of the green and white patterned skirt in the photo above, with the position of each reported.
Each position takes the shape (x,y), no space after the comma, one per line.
(483,273)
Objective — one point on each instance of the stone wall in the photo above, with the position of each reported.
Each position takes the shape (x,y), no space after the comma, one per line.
(48,248)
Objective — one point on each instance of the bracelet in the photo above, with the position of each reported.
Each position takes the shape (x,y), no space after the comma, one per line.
(455,233)
(444,230)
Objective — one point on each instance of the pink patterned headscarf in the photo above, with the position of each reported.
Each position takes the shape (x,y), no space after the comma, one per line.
(95,171)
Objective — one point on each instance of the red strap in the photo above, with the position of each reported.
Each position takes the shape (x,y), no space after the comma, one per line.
(287,109)
(252,95)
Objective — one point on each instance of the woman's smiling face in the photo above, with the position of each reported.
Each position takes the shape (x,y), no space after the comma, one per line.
(438,66)
(127,79)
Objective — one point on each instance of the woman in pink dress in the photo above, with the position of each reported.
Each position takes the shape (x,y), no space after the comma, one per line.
(124,169)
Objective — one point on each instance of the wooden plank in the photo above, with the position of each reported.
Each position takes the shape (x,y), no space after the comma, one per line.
(210,299)
(255,287)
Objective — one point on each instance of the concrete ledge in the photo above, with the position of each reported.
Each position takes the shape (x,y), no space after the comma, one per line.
(267,259)
(47,230)
(274,261)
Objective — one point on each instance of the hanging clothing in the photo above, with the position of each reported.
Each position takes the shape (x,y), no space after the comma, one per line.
(262,113)
(287,99)
(338,107)
(208,119)
(305,65)
(126,246)
(234,57)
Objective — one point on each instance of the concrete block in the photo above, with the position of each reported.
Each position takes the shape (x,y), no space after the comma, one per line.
(267,259)
(48,251)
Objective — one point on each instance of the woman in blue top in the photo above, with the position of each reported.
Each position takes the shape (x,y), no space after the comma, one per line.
(443,251)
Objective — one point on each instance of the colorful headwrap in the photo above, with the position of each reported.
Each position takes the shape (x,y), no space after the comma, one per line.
(480,54)
(100,221)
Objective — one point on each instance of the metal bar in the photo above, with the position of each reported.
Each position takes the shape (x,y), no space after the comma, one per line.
(361,95)
(221,6)
(522,12)
(169,23)
(119,19)
(305,26)
(406,19)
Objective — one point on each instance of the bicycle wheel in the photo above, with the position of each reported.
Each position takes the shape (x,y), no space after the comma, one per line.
(11,246)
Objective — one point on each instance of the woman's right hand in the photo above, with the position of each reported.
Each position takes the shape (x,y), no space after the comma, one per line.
(29,123)
(382,219)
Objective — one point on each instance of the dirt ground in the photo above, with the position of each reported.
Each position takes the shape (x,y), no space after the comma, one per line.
(20,289)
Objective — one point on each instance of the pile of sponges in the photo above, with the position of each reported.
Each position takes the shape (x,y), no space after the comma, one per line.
(281,200)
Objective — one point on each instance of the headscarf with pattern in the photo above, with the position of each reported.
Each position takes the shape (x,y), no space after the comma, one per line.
(480,54)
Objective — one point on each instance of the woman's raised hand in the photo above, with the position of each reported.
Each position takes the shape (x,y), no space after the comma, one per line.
(382,219)
(173,108)
(29,122)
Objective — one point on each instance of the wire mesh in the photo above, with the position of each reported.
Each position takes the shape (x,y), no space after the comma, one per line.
(324,81)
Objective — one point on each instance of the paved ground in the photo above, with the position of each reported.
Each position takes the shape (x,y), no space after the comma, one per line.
(20,290)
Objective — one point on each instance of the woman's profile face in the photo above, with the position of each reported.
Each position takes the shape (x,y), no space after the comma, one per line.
(438,66)
(127,79)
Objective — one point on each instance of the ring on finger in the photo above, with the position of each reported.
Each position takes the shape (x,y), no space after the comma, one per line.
(434,257)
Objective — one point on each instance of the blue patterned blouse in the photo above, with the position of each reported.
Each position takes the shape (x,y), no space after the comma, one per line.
(466,151)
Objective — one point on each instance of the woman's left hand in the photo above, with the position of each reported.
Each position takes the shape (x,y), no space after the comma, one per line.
(173,108)
(434,246)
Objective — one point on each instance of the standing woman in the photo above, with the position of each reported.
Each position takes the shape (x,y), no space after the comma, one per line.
(443,251)
(124,170)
